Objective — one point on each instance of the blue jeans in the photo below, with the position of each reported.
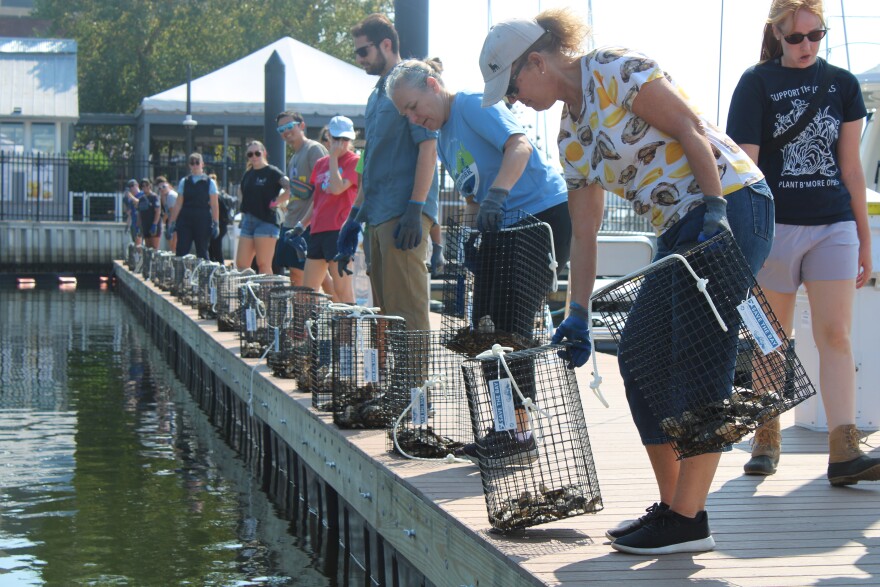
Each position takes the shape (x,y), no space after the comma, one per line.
(751,216)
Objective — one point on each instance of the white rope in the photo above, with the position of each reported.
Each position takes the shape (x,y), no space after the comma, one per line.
(497,351)
(260,306)
(422,391)
(553,265)
(597,380)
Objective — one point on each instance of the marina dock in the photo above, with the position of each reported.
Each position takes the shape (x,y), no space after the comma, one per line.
(416,523)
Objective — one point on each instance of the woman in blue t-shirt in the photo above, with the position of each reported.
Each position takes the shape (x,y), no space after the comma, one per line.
(823,240)
(263,187)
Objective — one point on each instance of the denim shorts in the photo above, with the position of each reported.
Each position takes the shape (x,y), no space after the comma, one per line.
(253,227)
(751,216)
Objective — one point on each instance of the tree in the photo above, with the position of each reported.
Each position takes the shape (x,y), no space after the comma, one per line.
(130,49)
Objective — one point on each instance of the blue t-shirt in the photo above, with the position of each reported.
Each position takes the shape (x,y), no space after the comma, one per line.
(390,158)
(471,147)
(804,174)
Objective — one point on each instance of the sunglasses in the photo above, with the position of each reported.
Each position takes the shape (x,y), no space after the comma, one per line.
(325,139)
(289,126)
(812,36)
(512,90)
(254,154)
(195,162)
(362,51)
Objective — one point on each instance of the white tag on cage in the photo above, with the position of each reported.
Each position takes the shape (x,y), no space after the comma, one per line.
(213,295)
(419,407)
(346,361)
(548,321)
(250,319)
(759,326)
(501,394)
(371,366)
(275,340)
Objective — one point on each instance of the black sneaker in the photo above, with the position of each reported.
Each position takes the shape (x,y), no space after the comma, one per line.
(669,533)
(630,526)
(501,449)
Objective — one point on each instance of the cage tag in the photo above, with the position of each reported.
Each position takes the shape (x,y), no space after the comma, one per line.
(419,410)
(548,321)
(502,404)
(213,295)
(346,361)
(760,328)
(275,341)
(371,366)
(250,319)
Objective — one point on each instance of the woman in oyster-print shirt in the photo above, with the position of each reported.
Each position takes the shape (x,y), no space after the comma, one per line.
(628,129)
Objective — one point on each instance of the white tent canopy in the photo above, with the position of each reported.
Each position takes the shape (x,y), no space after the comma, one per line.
(316,83)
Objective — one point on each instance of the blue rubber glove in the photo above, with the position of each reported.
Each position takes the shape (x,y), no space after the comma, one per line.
(491,213)
(408,232)
(715,219)
(575,332)
(215,229)
(294,238)
(438,261)
(154,229)
(347,241)
(172,226)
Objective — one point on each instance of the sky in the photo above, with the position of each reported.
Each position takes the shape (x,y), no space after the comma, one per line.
(691,39)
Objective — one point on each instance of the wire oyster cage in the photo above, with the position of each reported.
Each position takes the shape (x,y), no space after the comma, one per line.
(183,268)
(316,375)
(498,282)
(532,445)
(202,271)
(253,326)
(208,287)
(682,325)
(150,256)
(227,308)
(164,274)
(289,309)
(362,363)
(426,380)
(132,256)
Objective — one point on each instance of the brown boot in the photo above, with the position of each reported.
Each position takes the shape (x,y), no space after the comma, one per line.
(765,449)
(847,464)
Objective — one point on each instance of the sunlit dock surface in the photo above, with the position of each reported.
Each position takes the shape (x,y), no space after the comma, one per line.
(792,528)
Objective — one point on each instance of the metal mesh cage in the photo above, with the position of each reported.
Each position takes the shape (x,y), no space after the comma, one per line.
(132,256)
(164,275)
(362,364)
(190,294)
(498,282)
(531,438)
(434,421)
(253,326)
(208,283)
(183,268)
(150,256)
(226,306)
(288,310)
(316,376)
(673,348)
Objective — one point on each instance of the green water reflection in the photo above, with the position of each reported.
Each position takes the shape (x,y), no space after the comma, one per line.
(111,475)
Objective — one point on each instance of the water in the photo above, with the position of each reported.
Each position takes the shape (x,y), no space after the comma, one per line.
(109,473)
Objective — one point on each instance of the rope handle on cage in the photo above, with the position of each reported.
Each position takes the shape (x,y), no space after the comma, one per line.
(423,390)
(261,307)
(701,287)
(212,281)
(553,265)
(497,352)
(193,277)
(597,379)
(354,309)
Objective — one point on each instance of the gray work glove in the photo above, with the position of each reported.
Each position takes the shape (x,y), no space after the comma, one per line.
(491,213)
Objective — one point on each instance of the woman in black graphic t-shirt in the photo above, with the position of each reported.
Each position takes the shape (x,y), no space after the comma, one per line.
(823,240)
(263,188)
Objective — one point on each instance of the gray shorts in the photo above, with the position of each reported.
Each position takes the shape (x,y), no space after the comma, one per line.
(829,252)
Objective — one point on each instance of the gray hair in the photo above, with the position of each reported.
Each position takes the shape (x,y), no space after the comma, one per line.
(414,73)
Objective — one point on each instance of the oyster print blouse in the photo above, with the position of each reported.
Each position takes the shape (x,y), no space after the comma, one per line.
(607,143)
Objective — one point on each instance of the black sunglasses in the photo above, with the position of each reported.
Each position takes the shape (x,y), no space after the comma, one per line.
(798,38)
(195,162)
(254,154)
(362,51)
(512,90)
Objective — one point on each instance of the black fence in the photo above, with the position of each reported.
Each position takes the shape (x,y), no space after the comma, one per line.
(88,186)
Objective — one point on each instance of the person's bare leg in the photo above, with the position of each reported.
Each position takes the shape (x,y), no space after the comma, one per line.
(327,285)
(296,276)
(265,246)
(343,286)
(314,273)
(666,469)
(244,256)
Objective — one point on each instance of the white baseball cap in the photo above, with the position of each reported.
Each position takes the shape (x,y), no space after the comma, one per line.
(341,127)
(505,43)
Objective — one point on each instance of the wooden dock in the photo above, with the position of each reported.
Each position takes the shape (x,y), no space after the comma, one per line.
(792,528)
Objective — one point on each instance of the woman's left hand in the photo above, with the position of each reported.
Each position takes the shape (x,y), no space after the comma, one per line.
(865,265)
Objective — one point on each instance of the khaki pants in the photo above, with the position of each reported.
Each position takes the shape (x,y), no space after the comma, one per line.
(400,279)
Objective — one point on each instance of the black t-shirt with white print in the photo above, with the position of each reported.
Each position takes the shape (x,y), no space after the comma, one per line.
(258,188)
(804,174)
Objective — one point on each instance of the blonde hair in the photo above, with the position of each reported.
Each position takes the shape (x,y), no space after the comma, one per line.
(248,165)
(780,10)
(414,73)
